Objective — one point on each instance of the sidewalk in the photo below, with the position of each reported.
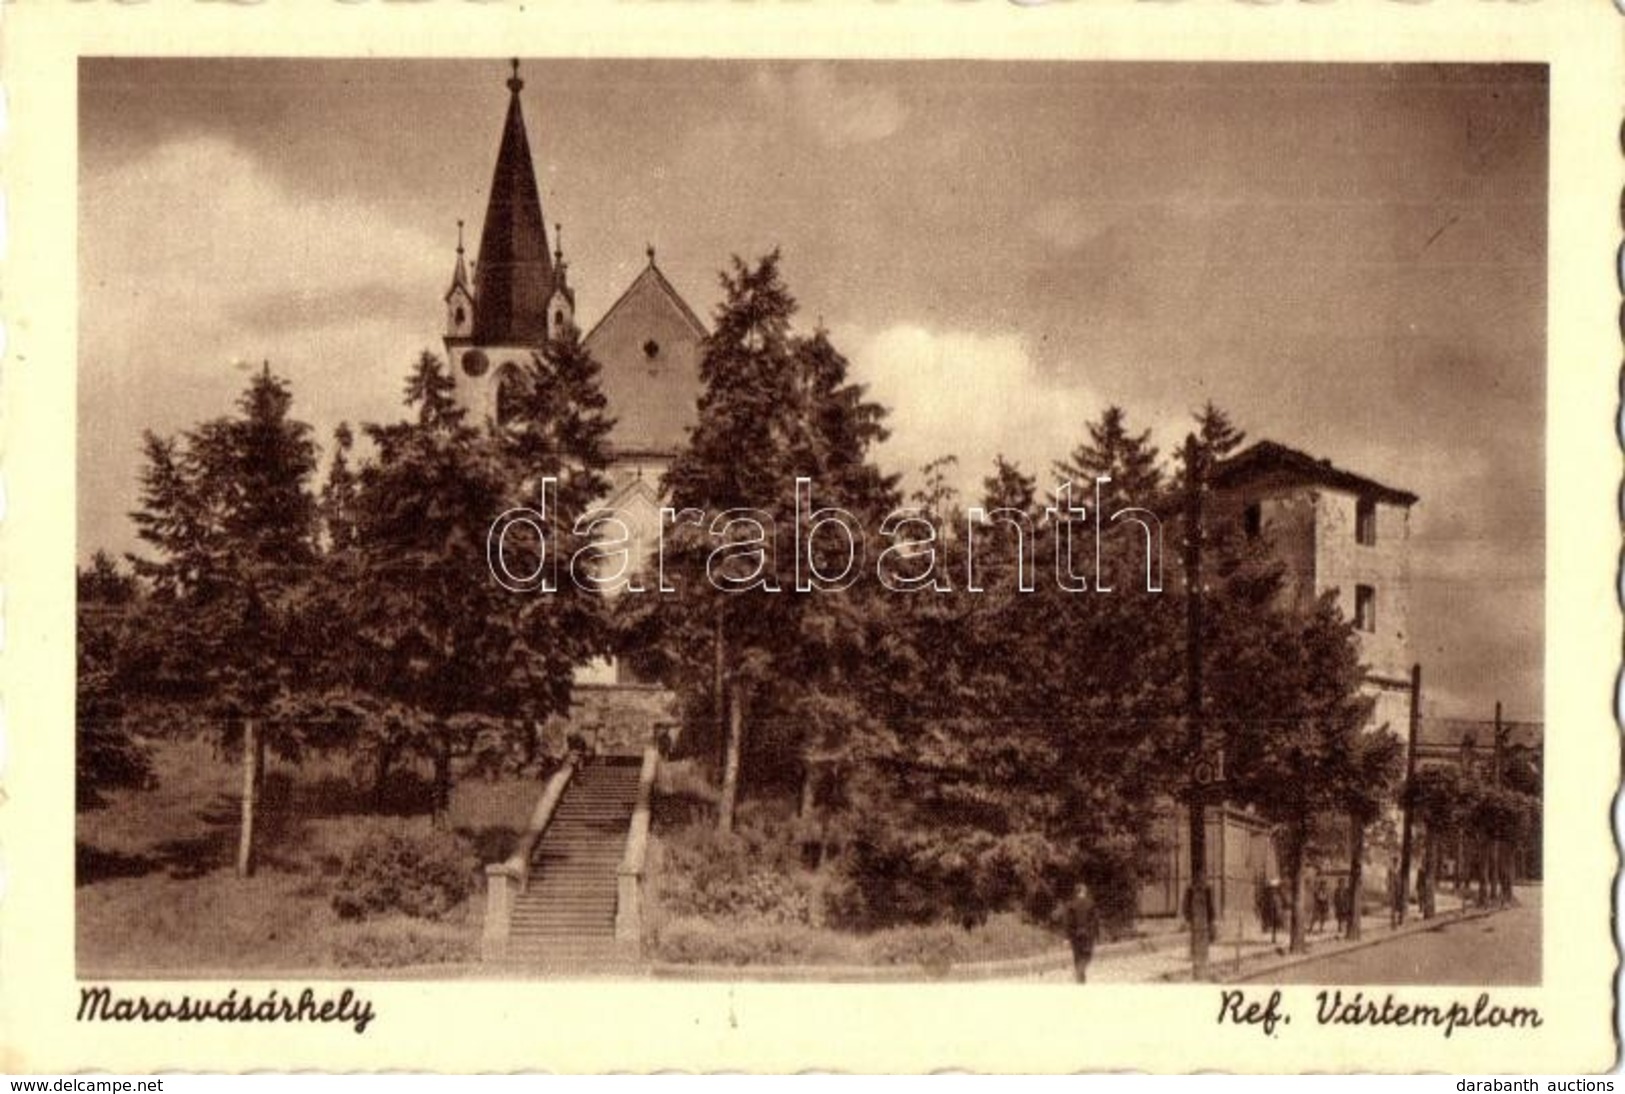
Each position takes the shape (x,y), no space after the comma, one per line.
(1162,952)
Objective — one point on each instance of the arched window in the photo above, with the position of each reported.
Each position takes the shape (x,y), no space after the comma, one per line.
(558,319)
(510,392)
(460,315)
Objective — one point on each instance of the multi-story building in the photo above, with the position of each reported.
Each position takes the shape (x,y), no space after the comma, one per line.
(1339,532)
(1334,531)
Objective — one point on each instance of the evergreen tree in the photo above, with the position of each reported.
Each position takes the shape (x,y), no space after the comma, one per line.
(440,651)
(1217,439)
(228,511)
(744,648)
(108,754)
(1008,488)
(339,493)
(1114,451)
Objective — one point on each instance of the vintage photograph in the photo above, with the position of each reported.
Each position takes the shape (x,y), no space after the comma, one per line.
(811,521)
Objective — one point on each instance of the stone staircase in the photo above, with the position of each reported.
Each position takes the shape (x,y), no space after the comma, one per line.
(564,921)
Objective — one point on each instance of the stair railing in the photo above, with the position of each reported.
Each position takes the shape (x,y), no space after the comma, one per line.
(505,880)
(629,876)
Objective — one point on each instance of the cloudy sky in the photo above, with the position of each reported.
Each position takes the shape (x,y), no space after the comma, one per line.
(1351,259)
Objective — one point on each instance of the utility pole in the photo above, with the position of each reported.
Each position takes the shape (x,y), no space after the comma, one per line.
(1500,745)
(1410,793)
(1501,851)
(1195,476)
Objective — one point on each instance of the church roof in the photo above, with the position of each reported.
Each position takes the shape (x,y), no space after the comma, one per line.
(651,280)
(649,345)
(513,278)
(1277,461)
(459,273)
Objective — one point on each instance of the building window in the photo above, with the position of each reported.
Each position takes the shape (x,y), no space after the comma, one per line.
(1252,520)
(558,319)
(1365,608)
(1365,522)
(510,393)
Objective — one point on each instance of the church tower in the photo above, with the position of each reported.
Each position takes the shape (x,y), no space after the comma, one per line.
(495,326)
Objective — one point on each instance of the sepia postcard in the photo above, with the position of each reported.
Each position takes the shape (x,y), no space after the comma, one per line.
(1070,537)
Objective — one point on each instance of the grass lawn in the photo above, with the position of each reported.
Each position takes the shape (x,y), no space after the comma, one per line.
(157,891)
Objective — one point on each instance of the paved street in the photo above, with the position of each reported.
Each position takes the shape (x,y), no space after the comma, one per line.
(1497,949)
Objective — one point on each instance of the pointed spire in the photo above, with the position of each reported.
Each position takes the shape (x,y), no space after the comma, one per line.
(650,251)
(558,246)
(513,278)
(459,273)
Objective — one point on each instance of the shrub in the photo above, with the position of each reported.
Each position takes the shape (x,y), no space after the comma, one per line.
(395,945)
(752,874)
(934,948)
(394,869)
(700,942)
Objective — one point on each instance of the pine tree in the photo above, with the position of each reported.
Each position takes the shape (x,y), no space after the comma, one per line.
(1008,488)
(1114,451)
(339,493)
(441,652)
(228,510)
(108,755)
(1217,439)
(775,407)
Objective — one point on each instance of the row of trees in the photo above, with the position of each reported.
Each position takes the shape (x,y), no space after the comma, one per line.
(358,616)
(963,753)
(971,752)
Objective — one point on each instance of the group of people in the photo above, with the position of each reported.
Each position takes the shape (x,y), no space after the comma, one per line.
(1273,903)
(1424,894)
(1274,906)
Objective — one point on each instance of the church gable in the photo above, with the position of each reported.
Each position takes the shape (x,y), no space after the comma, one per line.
(649,345)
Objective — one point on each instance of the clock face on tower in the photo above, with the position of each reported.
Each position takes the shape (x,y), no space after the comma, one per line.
(475,363)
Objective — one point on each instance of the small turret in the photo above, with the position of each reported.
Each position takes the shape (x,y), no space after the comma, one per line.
(460,297)
(561,306)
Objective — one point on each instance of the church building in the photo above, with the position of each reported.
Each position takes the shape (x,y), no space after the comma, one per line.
(647,343)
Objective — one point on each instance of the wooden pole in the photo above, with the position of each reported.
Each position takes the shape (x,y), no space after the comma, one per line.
(1200,927)
(1410,789)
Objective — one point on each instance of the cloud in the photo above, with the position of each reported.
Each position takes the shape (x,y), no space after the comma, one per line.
(836,110)
(971,395)
(195,255)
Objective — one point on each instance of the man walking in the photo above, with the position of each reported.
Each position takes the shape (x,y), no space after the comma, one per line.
(1082,922)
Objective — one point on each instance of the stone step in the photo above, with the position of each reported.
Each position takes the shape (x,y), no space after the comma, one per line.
(565,919)
(595,889)
(585,856)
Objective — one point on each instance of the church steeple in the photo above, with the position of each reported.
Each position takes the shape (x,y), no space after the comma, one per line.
(459,273)
(460,297)
(513,279)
